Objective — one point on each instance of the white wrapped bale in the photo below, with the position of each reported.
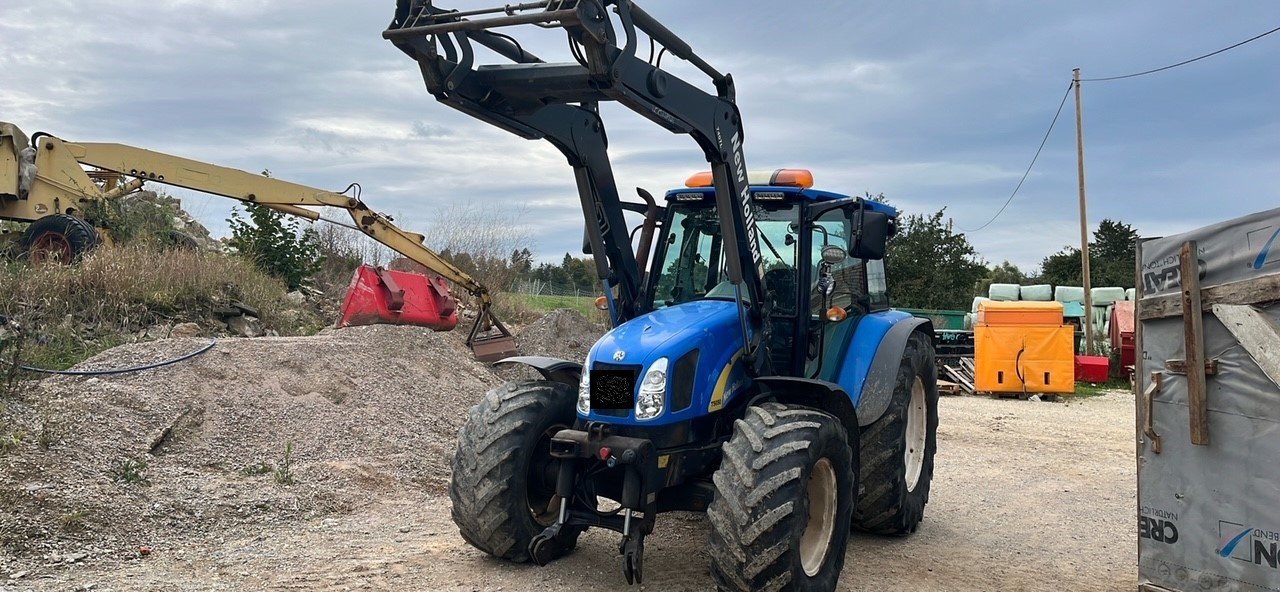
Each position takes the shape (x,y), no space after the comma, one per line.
(1037,293)
(1068,294)
(1004,292)
(1107,296)
(1131,294)
(976,302)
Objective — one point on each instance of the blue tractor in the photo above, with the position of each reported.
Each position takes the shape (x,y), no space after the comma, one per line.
(755,370)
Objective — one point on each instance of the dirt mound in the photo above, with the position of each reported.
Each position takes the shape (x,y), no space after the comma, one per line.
(563,333)
(254,431)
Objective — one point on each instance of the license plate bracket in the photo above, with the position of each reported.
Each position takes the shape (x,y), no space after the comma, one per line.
(613,389)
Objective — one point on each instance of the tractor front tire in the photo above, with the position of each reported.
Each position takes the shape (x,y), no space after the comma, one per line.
(897,449)
(784,498)
(503,486)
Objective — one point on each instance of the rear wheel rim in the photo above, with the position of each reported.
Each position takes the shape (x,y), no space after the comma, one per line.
(544,504)
(916,432)
(815,542)
(51,247)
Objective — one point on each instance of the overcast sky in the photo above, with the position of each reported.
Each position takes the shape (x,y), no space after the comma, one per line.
(931,103)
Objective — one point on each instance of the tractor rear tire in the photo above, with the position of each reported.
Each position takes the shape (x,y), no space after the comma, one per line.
(784,498)
(59,238)
(897,449)
(503,486)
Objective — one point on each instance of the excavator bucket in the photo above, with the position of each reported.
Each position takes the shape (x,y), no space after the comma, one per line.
(490,340)
(380,296)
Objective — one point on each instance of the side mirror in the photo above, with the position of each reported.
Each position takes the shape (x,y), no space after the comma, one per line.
(871,238)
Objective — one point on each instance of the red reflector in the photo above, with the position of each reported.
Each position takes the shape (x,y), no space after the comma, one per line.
(605,453)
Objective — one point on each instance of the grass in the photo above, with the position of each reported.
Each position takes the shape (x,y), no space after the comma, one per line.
(541,304)
(74,521)
(257,469)
(69,313)
(284,469)
(1089,389)
(129,471)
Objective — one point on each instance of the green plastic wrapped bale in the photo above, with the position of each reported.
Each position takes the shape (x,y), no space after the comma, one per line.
(1131,294)
(1069,294)
(1005,292)
(1037,293)
(1106,296)
(977,301)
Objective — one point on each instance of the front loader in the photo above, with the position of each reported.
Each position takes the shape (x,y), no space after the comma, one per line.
(754,370)
(43,181)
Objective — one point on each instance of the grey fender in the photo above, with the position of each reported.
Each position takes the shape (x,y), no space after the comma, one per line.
(877,389)
(819,394)
(552,369)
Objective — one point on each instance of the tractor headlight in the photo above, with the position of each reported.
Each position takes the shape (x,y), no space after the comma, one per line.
(653,391)
(584,392)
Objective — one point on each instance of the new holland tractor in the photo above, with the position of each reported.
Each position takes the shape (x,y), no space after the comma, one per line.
(754,371)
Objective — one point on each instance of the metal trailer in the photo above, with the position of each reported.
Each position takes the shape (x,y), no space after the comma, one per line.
(1208,408)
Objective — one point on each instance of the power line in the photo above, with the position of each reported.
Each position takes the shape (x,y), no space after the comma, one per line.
(1033,160)
(1136,74)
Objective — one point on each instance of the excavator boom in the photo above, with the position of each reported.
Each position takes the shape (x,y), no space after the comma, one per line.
(56,183)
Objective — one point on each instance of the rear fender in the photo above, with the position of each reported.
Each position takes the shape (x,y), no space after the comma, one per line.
(553,369)
(877,388)
(818,394)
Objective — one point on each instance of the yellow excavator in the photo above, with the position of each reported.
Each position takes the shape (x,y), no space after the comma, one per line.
(44,182)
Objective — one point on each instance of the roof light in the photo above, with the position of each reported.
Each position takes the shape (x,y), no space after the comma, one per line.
(802,178)
(703,179)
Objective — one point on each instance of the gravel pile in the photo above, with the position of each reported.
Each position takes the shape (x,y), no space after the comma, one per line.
(255,430)
(563,334)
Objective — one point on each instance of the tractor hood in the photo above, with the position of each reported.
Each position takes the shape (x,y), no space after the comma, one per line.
(669,332)
(701,340)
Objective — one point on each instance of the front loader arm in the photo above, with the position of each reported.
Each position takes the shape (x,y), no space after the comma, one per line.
(518,96)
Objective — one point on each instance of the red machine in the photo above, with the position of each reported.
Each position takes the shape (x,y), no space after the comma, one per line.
(382,296)
(1095,369)
(1122,323)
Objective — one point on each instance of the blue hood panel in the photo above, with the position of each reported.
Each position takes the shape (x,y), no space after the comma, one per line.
(710,326)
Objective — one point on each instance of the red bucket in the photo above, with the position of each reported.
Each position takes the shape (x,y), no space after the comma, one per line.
(379,296)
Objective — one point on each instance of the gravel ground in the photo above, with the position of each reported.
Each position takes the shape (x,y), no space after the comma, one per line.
(1026,496)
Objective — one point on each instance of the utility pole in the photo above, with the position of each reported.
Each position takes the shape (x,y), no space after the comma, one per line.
(1084,224)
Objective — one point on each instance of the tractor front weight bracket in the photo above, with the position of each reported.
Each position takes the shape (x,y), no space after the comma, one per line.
(638,495)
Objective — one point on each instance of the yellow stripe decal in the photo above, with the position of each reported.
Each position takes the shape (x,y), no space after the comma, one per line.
(717,396)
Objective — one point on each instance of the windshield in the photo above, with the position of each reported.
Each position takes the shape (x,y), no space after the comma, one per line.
(692,266)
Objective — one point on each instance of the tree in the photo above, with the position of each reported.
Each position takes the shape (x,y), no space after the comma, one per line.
(931,266)
(274,245)
(1112,255)
(1007,273)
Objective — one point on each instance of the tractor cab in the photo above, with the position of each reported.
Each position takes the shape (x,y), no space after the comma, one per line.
(822,254)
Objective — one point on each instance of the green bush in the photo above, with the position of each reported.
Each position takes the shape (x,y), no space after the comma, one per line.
(274,243)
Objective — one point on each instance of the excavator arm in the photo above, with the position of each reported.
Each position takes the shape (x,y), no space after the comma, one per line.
(558,102)
(61,185)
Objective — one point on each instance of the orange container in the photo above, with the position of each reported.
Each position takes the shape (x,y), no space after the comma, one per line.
(1023,347)
(1020,313)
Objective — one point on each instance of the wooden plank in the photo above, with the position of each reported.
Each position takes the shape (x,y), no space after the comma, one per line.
(1193,332)
(960,378)
(1252,291)
(1257,334)
(1180,367)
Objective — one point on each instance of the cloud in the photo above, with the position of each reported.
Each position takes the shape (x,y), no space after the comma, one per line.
(936,105)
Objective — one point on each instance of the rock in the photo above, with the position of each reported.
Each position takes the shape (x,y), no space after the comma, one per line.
(1034,398)
(245,308)
(246,326)
(295,298)
(185,330)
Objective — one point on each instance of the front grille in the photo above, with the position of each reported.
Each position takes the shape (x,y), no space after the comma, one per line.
(616,367)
